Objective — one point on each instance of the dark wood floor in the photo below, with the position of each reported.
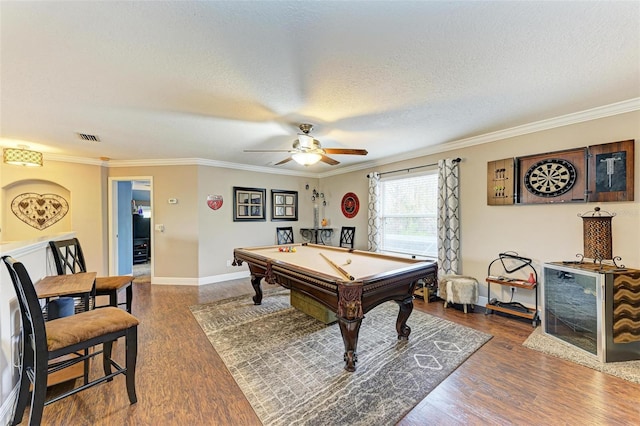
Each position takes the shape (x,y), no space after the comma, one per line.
(182,381)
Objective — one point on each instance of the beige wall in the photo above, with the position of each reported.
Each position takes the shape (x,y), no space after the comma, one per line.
(174,251)
(542,232)
(219,234)
(198,241)
(87,205)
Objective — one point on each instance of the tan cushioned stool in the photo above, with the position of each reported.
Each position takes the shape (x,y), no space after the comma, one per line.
(67,331)
(458,289)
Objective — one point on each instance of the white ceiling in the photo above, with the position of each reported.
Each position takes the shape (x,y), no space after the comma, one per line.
(207,80)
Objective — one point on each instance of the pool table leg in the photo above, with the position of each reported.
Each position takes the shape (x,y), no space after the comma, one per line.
(350,328)
(406,307)
(255,282)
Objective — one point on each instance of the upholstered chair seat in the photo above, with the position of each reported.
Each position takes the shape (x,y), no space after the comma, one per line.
(71,330)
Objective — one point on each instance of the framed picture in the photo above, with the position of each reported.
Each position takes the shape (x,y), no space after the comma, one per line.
(249,204)
(284,205)
(611,171)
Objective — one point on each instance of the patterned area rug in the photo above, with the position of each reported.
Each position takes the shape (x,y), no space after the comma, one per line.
(290,365)
(629,370)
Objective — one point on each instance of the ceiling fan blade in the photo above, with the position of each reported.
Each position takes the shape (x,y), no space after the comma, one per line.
(329,160)
(267,150)
(286,160)
(345,151)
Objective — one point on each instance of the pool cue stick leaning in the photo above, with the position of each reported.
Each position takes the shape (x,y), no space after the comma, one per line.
(342,271)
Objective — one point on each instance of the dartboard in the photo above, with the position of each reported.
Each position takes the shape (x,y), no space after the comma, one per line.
(550,177)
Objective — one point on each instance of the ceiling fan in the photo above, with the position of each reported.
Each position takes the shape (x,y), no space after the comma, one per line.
(307,150)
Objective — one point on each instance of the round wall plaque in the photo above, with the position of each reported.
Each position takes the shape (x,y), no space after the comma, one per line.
(214,201)
(350,205)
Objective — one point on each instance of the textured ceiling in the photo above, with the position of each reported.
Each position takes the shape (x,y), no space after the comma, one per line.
(165,80)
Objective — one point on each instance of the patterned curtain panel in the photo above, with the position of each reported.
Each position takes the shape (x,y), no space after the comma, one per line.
(448,217)
(373,227)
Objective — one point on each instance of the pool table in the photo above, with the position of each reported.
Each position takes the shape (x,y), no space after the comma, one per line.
(348,282)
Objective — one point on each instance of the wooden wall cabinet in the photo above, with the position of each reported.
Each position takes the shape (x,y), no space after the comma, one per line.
(501,182)
(598,173)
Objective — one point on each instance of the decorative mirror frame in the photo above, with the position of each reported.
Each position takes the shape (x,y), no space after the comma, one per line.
(249,204)
(284,205)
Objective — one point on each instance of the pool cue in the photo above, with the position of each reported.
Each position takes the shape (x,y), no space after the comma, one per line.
(342,271)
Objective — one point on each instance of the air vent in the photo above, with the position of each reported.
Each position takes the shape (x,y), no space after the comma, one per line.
(90,138)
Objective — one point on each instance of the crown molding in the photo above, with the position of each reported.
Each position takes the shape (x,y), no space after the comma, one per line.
(206,162)
(617,108)
(72,159)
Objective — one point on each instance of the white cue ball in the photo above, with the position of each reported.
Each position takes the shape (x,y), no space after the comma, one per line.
(348,261)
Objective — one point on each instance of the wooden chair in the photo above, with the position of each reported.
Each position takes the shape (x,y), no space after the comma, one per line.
(284,235)
(347,235)
(71,338)
(69,258)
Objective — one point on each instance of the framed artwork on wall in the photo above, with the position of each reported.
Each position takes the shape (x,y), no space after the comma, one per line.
(284,205)
(249,204)
(611,171)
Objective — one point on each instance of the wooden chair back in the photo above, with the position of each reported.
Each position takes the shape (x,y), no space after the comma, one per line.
(30,309)
(68,256)
(74,339)
(347,235)
(284,235)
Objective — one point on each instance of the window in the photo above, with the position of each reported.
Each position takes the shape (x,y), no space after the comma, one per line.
(409,214)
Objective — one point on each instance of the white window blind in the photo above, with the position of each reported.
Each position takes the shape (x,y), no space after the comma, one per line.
(409,214)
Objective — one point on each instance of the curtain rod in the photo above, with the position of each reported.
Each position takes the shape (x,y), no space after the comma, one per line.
(455,160)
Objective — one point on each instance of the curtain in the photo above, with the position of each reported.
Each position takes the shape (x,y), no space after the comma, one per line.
(448,217)
(373,227)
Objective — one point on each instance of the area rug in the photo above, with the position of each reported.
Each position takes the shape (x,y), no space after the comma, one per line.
(628,370)
(290,365)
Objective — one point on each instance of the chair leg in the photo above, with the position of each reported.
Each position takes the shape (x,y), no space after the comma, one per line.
(113,298)
(39,392)
(23,393)
(106,358)
(129,296)
(86,364)
(131,348)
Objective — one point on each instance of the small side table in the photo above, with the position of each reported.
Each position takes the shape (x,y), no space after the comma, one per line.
(317,235)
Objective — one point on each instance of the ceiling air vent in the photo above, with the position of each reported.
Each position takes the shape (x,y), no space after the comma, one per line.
(90,138)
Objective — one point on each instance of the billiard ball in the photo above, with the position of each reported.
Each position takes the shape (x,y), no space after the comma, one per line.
(348,261)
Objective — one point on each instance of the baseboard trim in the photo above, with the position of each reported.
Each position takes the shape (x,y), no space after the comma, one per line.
(199,281)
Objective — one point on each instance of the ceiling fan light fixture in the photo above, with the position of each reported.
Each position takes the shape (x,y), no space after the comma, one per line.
(306,158)
(305,140)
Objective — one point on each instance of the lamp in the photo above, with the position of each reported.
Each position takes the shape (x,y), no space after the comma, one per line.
(597,236)
(22,157)
(306,158)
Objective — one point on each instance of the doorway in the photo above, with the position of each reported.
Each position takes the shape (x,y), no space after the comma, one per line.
(130,201)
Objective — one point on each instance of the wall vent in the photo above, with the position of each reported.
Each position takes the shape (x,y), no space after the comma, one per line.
(87,137)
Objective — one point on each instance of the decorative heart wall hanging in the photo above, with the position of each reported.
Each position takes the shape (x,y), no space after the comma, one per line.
(39,211)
